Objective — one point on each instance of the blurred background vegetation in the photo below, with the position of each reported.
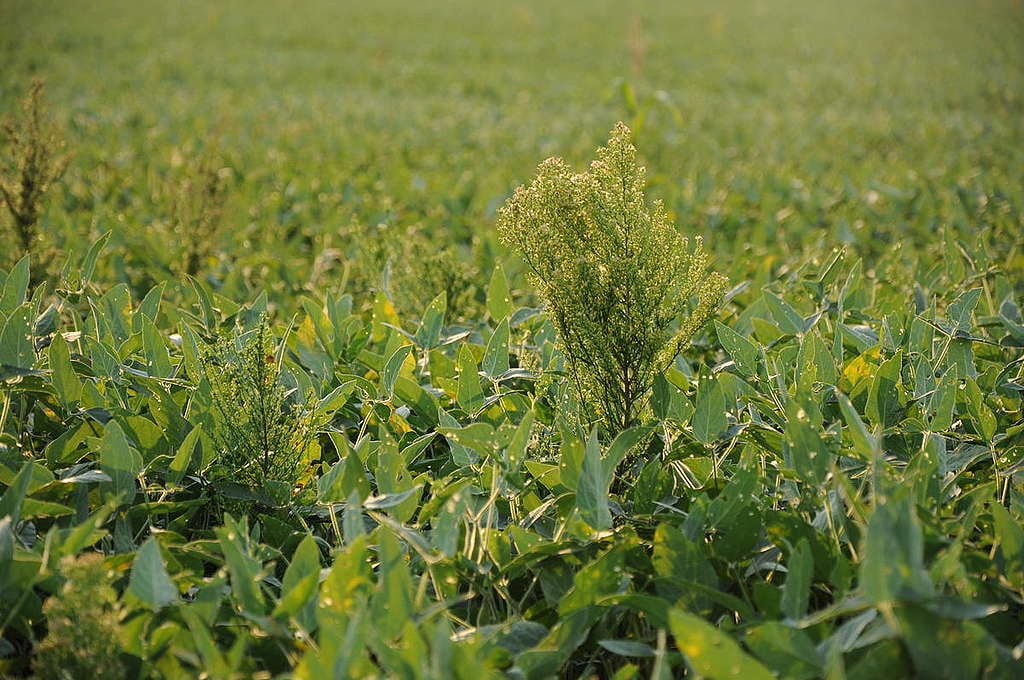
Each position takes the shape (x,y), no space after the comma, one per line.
(351,135)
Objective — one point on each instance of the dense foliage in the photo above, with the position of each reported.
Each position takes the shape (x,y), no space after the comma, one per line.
(276,402)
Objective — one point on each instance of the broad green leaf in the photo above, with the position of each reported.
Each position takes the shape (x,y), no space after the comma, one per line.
(709,415)
(942,648)
(629,648)
(785,316)
(429,332)
(65,381)
(865,444)
(244,570)
(1011,544)
(684,561)
(982,416)
(14,496)
(300,596)
(804,447)
(883,398)
(787,651)
(149,580)
(158,362)
(797,588)
(499,300)
(942,403)
(712,653)
(6,549)
(89,261)
(668,401)
(893,555)
(15,288)
(392,602)
(742,351)
(516,450)
(961,309)
(592,487)
(16,350)
(392,369)
(546,658)
(182,460)
(120,462)
(469,395)
(620,448)
(495,360)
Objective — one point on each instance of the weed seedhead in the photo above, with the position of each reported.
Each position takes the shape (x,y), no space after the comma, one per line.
(34,160)
(626,291)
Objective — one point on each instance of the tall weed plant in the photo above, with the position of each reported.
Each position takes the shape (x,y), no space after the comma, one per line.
(625,289)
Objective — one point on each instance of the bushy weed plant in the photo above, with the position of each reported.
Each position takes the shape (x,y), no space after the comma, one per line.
(82,640)
(198,210)
(262,430)
(625,289)
(33,160)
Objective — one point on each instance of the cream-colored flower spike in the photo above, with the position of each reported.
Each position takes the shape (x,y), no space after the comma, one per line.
(615,273)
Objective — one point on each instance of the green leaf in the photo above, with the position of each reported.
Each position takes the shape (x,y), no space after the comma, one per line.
(154,347)
(787,651)
(1010,536)
(785,316)
(592,487)
(743,352)
(495,360)
(243,568)
(429,332)
(391,370)
(893,564)
(709,415)
(941,648)
(515,452)
(883,397)
(620,448)
(797,589)
(943,402)
(16,348)
(804,447)
(149,580)
(14,496)
(865,444)
(668,401)
(65,381)
(678,558)
(710,652)
(89,261)
(15,287)
(961,309)
(120,462)
(183,457)
(392,602)
(982,416)
(468,394)
(499,300)
(629,648)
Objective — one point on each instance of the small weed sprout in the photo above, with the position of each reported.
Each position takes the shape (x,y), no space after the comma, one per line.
(33,161)
(262,431)
(615,274)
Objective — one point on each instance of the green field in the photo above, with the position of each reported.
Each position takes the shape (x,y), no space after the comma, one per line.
(277,401)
